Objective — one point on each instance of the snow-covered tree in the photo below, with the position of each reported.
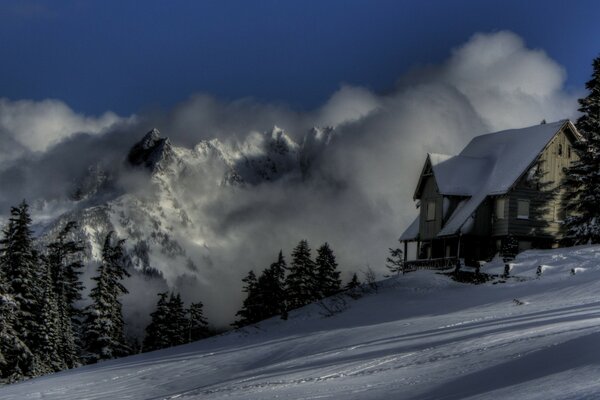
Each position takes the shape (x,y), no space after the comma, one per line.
(104,338)
(582,182)
(328,276)
(51,328)
(301,282)
(20,265)
(63,260)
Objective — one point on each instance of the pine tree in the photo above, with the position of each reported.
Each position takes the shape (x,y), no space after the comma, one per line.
(248,314)
(63,259)
(16,360)
(395,261)
(354,283)
(50,331)
(328,276)
(156,337)
(177,322)
(271,290)
(583,177)
(21,300)
(301,282)
(197,324)
(104,338)
(20,264)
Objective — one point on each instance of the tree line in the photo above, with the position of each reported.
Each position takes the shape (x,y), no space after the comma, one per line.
(43,327)
(281,288)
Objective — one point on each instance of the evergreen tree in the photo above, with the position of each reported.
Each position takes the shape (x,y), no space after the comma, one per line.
(177,327)
(354,283)
(156,337)
(63,259)
(301,282)
(104,338)
(16,360)
(50,329)
(328,276)
(271,289)
(583,177)
(197,324)
(248,314)
(20,264)
(395,261)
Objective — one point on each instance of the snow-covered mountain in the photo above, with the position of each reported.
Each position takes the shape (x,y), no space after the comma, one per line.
(421,336)
(162,199)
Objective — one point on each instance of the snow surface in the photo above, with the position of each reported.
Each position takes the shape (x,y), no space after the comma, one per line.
(422,336)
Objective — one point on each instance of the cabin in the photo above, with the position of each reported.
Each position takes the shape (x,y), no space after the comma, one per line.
(502,185)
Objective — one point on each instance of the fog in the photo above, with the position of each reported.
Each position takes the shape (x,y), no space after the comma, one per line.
(359,194)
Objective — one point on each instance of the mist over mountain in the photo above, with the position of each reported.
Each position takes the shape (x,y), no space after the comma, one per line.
(221,187)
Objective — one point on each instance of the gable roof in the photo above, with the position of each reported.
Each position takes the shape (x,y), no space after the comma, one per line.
(489,165)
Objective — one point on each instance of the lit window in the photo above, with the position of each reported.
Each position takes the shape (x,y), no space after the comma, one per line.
(522,209)
(500,202)
(430,210)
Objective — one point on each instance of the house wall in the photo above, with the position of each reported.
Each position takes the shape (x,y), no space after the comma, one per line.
(428,229)
(543,221)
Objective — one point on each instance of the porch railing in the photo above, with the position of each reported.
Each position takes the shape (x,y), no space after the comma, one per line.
(432,263)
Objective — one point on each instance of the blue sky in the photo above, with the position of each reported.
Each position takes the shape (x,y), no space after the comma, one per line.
(128,56)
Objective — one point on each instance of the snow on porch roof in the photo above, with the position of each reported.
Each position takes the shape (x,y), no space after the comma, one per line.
(412,232)
(507,155)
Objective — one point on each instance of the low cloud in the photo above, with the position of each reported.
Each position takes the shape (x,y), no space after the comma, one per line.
(359,195)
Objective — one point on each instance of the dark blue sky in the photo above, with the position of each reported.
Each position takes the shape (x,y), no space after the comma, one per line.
(127,56)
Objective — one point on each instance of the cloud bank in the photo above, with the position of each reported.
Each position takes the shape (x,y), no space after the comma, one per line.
(359,196)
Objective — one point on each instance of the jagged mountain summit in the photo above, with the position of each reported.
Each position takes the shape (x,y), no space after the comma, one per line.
(162,199)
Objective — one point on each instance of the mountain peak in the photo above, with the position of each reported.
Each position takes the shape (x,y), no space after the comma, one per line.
(150,151)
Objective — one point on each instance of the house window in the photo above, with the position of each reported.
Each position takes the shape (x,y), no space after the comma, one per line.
(500,206)
(560,150)
(569,151)
(431,210)
(522,209)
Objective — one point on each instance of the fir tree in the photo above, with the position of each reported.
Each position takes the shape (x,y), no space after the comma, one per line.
(301,282)
(104,338)
(582,179)
(20,264)
(354,283)
(63,259)
(156,337)
(328,276)
(197,324)
(248,314)
(50,330)
(395,261)
(177,321)
(271,290)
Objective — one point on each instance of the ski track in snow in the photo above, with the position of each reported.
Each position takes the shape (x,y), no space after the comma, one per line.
(421,337)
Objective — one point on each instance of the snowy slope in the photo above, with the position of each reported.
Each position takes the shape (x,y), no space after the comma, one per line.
(422,336)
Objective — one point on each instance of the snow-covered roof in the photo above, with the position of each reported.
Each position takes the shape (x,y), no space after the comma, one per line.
(489,165)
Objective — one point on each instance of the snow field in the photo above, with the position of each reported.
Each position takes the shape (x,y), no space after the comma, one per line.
(422,336)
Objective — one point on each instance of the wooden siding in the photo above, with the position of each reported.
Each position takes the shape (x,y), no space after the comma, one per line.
(542,222)
(499,225)
(429,229)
